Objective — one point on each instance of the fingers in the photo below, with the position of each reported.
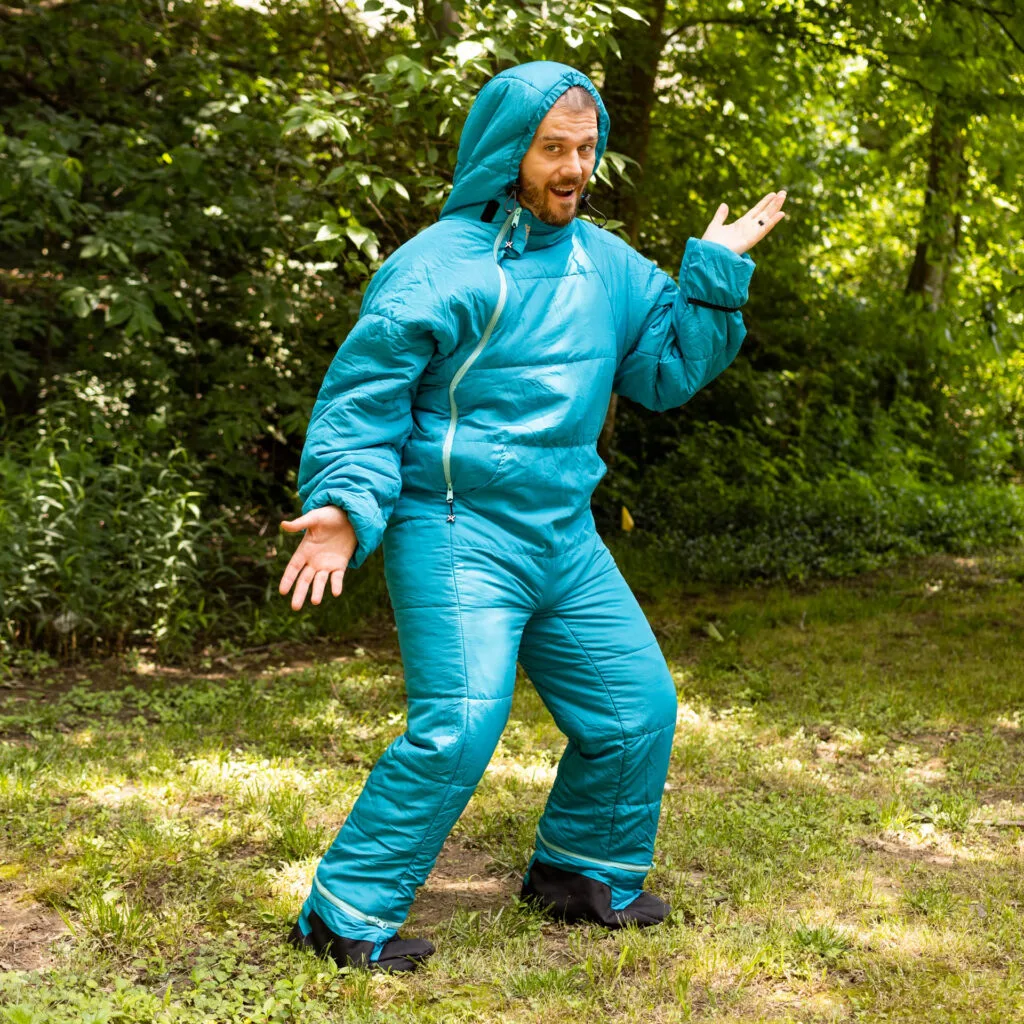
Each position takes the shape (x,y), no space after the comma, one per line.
(766,214)
(770,218)
(765,209)
(299,569)
(761,204)
(319,582)
(302,587)
(769,204)
(292,570)
(297,525)
(774,206)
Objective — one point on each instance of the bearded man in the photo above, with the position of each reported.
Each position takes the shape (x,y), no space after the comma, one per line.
(458,424)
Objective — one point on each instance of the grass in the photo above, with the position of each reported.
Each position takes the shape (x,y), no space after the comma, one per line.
(842,834)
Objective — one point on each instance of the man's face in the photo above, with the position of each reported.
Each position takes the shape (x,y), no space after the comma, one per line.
(559,163)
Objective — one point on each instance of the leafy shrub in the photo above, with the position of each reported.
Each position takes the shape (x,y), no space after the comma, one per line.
(187,234)
(100,543)
(109,546)
(844,524)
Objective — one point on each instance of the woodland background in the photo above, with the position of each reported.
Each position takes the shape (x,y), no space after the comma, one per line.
(827,543)
(193,196)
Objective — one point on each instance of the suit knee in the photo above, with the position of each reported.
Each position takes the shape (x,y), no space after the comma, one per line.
(453,743)
(664,703)
(655,705)
(649,712)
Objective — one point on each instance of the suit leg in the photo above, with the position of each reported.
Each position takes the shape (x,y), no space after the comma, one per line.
(597,665)
(460,617)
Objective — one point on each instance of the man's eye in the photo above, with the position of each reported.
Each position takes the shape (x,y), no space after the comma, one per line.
(587,147)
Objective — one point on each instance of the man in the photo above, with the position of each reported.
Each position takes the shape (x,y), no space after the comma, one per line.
(458,423)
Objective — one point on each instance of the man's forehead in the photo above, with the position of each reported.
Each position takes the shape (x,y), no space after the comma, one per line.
(562,122)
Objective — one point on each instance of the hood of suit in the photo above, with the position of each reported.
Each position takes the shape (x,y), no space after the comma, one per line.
(501,125)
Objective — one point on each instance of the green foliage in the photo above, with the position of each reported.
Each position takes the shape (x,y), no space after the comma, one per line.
(193,196)
(101,540)
(825,941)
(826,469)
(839,526)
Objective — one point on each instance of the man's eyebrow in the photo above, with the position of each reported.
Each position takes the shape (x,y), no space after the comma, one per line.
(561,138)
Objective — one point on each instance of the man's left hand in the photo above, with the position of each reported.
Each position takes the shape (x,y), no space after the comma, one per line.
(748,230)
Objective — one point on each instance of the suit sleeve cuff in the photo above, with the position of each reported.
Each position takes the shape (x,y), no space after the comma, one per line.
(711,274)
(364,515)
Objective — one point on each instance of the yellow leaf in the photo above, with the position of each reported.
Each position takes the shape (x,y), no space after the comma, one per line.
(714,632)
(627,519)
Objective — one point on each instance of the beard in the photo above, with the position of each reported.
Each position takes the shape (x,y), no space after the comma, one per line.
(538,199)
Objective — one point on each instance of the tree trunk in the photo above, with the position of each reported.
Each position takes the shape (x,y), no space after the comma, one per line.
(629,95)
(939,230)
(440,22)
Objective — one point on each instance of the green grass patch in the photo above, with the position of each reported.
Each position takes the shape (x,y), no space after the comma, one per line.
(841,839)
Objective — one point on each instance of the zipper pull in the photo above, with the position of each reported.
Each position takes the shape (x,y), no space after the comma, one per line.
(515,218)
(450,498)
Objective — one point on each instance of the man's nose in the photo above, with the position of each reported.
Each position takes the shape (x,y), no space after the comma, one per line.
(572,167)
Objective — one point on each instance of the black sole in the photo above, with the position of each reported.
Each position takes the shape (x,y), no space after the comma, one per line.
(396,956)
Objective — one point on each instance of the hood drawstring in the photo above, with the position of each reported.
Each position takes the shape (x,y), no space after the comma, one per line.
(593,210)
(511,196)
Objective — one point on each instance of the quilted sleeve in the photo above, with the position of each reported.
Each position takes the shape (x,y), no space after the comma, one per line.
(363,414)
(680,337)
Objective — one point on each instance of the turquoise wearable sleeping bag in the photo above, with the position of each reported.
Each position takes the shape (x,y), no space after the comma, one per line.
(458,423)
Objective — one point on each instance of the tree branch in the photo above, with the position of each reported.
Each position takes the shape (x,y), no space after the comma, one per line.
(357,36)
(994,15)
(6,11)
(747,21)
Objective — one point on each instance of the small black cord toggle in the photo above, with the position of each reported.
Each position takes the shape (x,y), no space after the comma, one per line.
(593,210)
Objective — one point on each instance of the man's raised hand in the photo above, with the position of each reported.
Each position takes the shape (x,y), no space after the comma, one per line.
(323,554)
(743,233)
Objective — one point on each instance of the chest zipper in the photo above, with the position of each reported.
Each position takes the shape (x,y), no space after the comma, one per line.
(507,228)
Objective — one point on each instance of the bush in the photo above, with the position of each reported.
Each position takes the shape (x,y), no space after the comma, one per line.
(104,546)
(99,543)
(845,524)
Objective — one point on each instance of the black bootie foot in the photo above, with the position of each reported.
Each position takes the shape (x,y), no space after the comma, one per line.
(570,897)
(397,954)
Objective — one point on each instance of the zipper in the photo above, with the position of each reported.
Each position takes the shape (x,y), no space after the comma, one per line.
(347,908)
(509,227)
(593,860)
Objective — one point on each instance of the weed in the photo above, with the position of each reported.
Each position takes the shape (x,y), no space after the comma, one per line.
(824,941)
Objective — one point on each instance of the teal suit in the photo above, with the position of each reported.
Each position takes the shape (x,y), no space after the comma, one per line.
(458,425)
